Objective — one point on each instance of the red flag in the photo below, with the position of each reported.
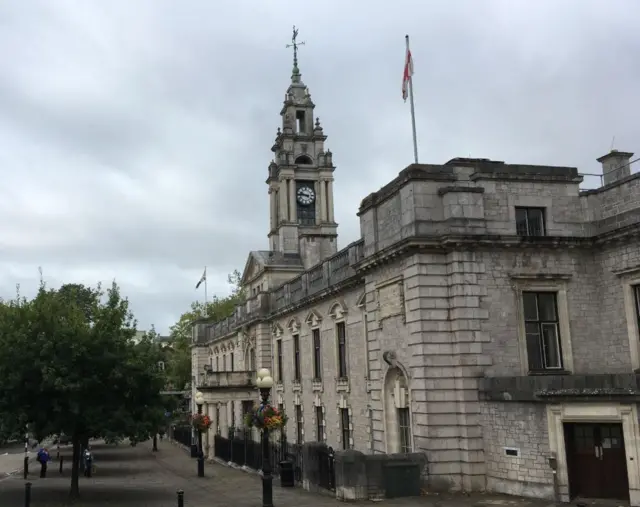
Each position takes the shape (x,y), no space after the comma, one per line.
(408,72)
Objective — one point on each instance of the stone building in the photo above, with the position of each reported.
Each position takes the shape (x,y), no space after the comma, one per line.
(487,317)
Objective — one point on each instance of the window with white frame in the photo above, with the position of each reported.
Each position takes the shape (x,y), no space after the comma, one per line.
(320,424)
(341,336)
(317,355)
(345,428)
(636,295)
(296,358)
(404,429)
(544,350)
(299,425)
(280,361)
(530,221)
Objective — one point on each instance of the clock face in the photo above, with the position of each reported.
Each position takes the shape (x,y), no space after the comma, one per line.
(306,195)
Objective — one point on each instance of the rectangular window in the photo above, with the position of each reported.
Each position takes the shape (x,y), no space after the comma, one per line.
(224,362)
(636,291)
(344,427)
(296,358)
(218,419)
(530,222)
(319,424)
(317,357)
(231,358)
(404,427)
(342,350)
(281,407)
(300,123)
(279,357)
(299,430)
(542,331)
(217,363)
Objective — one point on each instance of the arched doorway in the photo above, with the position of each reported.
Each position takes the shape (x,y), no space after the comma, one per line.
(399,435)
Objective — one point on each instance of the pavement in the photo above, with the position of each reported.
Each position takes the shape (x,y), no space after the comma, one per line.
(12,458)
(137,477)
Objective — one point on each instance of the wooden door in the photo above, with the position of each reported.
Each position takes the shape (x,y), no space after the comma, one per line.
(596,461)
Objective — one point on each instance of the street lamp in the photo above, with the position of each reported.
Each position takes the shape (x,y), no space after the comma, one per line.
(199,403)
(265,383)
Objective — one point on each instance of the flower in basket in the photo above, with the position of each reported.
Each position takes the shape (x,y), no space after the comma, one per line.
(265,417)
(201,422)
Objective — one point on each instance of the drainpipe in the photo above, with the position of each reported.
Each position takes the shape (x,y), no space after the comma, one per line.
(553,464)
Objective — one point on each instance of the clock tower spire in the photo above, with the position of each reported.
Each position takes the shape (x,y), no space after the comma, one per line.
(301,178)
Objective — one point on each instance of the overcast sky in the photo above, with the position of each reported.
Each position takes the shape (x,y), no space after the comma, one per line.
(135,135)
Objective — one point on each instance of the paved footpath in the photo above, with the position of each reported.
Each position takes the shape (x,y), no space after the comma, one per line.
(137,477)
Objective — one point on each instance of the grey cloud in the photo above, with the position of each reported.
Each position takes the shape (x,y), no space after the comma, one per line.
(136,136)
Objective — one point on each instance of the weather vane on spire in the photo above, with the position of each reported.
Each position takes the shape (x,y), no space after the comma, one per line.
(294,44)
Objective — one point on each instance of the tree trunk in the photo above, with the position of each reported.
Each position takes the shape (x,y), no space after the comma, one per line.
(74,494)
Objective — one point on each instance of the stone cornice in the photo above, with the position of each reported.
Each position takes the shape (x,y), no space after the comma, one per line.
(422,172)
(446,243)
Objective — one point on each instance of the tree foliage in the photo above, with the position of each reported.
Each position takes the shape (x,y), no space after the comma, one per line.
(179,372)
(69,365)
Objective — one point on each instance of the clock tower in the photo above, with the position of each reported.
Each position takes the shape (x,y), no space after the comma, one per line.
(301,179)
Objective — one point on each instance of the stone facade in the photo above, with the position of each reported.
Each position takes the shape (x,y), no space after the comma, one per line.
(413,339)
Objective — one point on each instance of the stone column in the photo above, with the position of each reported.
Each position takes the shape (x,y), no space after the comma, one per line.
(272,207)
(282,193)
(292,201)
(321,212)
(330,202)
(224,420)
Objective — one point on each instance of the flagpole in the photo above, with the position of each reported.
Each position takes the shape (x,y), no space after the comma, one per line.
(206,312)
(413,112)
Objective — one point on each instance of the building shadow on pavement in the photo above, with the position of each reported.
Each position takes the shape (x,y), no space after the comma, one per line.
(56,494)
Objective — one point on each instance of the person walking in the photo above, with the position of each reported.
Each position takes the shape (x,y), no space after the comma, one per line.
(43,458)
(88,462)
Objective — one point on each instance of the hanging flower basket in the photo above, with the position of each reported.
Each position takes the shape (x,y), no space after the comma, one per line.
(265,417)
(200,422)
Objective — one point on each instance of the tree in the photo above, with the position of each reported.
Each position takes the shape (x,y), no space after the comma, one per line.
(179,371)
(69,364)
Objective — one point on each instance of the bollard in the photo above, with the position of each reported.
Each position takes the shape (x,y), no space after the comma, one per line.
(61,462)
(26,466)
(180,498)
(27,494)
(155,443)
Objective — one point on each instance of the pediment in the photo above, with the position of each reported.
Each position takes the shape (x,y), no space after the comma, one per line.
(252,268)
(294,325)
(362,300)
(338,309)
(277,330)
(313,319)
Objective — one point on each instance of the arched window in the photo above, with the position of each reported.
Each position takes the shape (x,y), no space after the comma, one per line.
(397,412)
(304,159)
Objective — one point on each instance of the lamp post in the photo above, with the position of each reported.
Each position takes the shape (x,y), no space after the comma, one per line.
(199,403)
(264,383)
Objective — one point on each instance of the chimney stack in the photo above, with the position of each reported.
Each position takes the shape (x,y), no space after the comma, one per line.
(615,166)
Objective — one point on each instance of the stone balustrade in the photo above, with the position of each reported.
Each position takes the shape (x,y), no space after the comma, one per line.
(224,379)
(334,270)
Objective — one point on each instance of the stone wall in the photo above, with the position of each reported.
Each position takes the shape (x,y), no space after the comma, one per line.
(434,290)
(516,449)
(330,394)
